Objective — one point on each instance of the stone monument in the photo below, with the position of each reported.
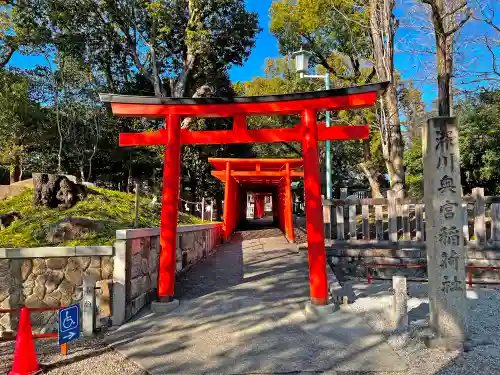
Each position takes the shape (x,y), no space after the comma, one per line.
(444,240)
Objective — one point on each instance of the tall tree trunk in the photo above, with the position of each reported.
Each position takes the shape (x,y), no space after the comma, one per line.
(383,26)
(82,171)
(444,49)
(393,142)
(14,172)
(372,174)
(447,18)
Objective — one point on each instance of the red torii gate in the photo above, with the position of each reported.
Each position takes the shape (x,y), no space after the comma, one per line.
(309,133)
(259,176)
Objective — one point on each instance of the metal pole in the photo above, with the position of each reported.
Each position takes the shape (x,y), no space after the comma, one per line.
(202,209)
(328,146)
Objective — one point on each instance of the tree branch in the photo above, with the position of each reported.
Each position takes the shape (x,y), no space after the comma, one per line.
(493,58)
(457,26)
(6,59)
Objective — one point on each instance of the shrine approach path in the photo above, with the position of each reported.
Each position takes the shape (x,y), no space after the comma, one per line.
(242,311)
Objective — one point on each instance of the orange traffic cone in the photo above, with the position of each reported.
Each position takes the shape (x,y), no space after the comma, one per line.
(25,362)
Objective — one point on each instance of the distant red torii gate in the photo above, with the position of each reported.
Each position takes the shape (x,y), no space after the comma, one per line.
(242,175)
(309,133)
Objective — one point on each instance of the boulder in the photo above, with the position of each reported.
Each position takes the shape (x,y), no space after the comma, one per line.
(70,228)
(7,219)
(51,190)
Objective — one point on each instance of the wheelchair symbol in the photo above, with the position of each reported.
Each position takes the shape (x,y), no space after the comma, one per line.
(68,321)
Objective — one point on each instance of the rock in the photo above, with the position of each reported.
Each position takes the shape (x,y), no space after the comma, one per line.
(145,266)
(7,219)
(41,280)
(70,228)
(84,262)
(51,301)
(56,294)
(57,263)
(26,268)
(78,295)
(66,300)
(107,268)
(95,262)
(66,288)
(15,299)
(136,266)
(135,288)
(74,276)
(95,272)
(39,291)
(54,278)
(39,266)
(6,322)
(106,292)
(54,191)
(33,302)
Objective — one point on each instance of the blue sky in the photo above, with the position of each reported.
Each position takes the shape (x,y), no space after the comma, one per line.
(412,36)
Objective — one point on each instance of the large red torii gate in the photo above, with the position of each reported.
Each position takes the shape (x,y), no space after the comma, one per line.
(308,132)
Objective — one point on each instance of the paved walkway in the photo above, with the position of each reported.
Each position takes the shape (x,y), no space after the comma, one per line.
(241,312)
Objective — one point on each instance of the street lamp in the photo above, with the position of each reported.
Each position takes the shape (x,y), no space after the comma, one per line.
(302,67)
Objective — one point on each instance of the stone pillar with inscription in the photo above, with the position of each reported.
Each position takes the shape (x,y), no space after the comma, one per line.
(444,240)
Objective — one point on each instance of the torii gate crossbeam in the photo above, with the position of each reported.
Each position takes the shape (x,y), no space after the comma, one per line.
(308,133)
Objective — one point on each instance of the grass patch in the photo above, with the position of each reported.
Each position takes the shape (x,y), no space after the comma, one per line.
(114,209)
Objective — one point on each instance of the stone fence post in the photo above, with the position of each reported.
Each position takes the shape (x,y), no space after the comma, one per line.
(445,240)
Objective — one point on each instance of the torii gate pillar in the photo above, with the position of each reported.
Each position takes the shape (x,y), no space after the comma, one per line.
(314,211)
(169,212)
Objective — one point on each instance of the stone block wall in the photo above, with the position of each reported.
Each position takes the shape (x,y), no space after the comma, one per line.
(137,259)
(47,277)
(351,261)
(53,276)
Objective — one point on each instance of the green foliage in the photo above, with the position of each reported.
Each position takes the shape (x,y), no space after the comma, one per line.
(115,210)
(479,129)
(18,119)
(336,31)
(170,42)
(414,169)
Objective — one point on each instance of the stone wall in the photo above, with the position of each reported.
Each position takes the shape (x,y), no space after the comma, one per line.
(53,276)
(47,277)
(136,263)
(351,261)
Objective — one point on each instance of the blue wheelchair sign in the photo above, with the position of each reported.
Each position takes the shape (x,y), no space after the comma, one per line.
(69,324)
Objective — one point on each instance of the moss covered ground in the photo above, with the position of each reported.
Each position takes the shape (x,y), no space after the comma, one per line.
(113,209)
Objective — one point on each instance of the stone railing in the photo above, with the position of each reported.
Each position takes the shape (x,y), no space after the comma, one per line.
(126,272)
(48,277)
(136,263)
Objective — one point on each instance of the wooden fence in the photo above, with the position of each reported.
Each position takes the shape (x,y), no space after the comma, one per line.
(390,221)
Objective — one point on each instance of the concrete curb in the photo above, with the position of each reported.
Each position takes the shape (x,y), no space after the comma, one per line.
(318,312)
(164,307)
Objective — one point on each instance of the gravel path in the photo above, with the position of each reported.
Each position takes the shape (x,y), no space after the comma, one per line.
(86,356)
(93,357)
(482,329)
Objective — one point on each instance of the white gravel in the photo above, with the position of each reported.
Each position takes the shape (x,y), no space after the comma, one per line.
(85,356)
(483,328)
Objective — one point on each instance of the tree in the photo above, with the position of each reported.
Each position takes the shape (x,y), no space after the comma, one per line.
(280,77)
(479,116)
(18,121)
(354,49)
(486,13)
(172,43)
(447,18)
(383,26)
